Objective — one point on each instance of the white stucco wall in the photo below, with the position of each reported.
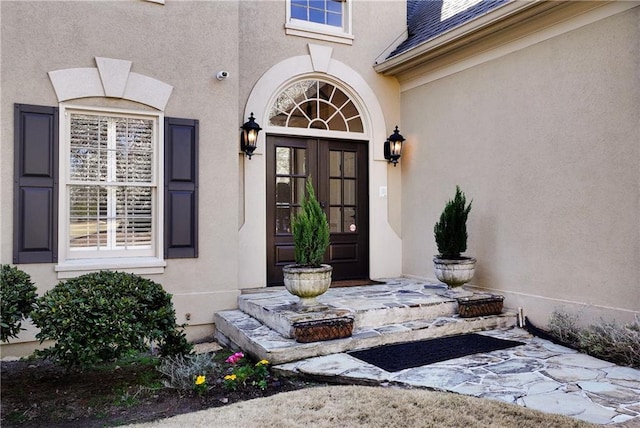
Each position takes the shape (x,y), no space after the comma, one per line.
(546,141)
(184,44)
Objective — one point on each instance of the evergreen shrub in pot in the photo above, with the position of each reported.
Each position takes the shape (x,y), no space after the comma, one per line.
(451,238)
(309,277)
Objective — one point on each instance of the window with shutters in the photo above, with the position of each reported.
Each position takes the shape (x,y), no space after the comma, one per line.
(104,189)
(328,20)
(109,179)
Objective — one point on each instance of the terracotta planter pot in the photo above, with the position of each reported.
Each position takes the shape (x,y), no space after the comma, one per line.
(307,282)
(454,272)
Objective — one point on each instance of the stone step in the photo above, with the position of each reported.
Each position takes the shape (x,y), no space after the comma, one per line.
(237,329)
(371,306)
(399,310)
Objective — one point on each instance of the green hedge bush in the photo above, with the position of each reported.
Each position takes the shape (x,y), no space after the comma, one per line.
(104,316)
(17,299)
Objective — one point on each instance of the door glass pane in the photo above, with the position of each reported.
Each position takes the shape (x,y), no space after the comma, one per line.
(283,157)
(289,189)
(349,164)
(298,190)
(335,191)
(349,192)
(350,223)
(299,162)
(335,163)
(283,190)
(335,219)
(283,220)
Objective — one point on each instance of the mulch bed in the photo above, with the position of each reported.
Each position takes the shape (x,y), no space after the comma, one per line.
(37,393)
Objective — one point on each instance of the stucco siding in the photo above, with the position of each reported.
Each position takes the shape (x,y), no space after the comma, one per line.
(546,141)
(181,43)
(184,44)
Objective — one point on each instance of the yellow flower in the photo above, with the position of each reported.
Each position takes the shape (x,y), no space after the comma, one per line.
(200,380)
(230,377)
(262,363)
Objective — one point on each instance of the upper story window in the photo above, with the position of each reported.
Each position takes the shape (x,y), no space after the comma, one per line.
(328,20)
(327,12)
(318,105)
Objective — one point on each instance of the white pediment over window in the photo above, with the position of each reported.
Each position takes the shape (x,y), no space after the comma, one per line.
(110,78)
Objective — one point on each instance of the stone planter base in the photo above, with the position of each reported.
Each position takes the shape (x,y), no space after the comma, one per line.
(307,282)
(454,272)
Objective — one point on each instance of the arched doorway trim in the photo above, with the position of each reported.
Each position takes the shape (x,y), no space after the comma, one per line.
(252,235)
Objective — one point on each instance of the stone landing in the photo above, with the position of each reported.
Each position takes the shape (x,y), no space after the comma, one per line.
(401,310)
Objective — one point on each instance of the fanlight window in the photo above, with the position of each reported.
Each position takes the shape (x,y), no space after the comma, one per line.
(315,104)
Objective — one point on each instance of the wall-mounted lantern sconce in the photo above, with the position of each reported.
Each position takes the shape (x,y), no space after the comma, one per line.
(393,147)
(249,136)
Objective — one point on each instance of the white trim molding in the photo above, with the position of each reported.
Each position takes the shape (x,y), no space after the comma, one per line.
(149,261)
(110,78)
(135,265)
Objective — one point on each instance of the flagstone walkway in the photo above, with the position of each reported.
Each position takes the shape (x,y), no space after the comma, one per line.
(539,375)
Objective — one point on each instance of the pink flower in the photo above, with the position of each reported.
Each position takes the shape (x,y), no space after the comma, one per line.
(235,358)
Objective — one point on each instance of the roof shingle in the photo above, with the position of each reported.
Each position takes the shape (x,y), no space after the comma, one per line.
(427,19)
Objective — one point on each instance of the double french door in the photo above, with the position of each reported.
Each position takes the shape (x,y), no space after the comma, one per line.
(338,170)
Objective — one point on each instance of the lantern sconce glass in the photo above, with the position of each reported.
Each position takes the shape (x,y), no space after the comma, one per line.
(249,136)
(393,147)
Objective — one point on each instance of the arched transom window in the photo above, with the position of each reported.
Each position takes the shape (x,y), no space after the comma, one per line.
(315,104)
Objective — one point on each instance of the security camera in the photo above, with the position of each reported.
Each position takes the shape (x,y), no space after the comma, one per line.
(222,75)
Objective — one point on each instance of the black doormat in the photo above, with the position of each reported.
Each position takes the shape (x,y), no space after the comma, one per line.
(393,358)
(354,283)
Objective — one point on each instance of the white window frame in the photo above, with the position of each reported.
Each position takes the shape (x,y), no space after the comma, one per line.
(313,30)
(73,263)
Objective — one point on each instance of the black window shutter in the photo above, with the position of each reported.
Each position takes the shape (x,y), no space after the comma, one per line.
(180,188)
(35,202)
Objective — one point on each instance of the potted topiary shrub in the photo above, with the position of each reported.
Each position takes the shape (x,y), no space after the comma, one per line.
(451,238)
(308,277)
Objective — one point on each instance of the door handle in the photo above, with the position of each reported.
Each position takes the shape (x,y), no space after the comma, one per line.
(323,205)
